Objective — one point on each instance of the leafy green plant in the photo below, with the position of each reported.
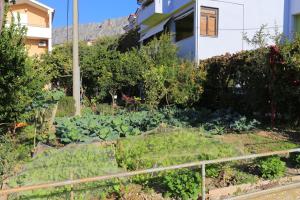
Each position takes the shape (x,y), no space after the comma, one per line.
(213,171)
(122,124)
(271,167)
(222,121)
(184,184)
(88,127)
(242,124)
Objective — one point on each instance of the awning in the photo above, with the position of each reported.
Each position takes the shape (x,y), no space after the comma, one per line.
(184,15)
(157,29)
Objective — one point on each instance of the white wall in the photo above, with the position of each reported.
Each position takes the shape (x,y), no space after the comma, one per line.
(234,16)
(231,23)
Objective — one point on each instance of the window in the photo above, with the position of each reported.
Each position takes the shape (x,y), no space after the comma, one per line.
(209,22)
(42,43)
(185,27)
(297,23)
(21,18)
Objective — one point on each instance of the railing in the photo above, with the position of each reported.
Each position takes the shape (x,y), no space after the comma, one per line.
(31,25)
(201,164)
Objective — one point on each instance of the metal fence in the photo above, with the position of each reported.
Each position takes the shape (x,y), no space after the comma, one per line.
(200,164)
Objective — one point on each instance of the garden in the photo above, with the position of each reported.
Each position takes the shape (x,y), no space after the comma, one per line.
(143,107)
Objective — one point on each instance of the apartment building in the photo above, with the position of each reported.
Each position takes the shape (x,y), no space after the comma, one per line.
(37,18)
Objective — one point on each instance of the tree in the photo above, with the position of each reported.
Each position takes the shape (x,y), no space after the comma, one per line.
(2,11)
(167,79)
(21,79)
(119,71)
(58,65)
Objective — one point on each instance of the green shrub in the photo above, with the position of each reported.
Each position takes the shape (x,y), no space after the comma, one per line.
(66,107)
(21,80)
(271,167)
(184,184)
(11,154)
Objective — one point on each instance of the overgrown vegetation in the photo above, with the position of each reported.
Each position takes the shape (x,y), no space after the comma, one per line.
(72,162)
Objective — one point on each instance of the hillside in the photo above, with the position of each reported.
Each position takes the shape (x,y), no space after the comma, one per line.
(91,31)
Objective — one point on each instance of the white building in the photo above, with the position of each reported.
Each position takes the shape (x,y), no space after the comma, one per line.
(206,28)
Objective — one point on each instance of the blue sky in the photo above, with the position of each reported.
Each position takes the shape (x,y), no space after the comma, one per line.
(91,10)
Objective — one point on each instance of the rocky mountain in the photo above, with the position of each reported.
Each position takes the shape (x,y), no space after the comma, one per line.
(91,31)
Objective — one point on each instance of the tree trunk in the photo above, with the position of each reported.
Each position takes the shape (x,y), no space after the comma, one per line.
(52,119)
(112,94)
(1,13)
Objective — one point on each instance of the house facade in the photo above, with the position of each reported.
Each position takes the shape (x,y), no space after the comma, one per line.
(206,28)
(292,17)
(37,18)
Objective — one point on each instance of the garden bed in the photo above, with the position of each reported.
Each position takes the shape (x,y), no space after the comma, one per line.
(142,152)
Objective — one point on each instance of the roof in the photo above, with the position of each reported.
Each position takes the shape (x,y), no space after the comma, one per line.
(36,4)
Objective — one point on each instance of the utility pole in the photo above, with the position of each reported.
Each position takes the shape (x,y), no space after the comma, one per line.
(76,68)
(2,3)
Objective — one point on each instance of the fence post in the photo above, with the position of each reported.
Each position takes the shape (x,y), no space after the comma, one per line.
(203,182)
(72,192)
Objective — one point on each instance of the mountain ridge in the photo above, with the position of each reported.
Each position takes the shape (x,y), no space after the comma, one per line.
(91,31)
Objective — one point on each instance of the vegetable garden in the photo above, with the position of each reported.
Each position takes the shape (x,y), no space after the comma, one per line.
(167,111)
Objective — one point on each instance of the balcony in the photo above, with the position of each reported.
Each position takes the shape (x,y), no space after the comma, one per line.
(150,12)
(153,11)
(38,32)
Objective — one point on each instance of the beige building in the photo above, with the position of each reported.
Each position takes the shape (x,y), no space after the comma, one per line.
(37,18)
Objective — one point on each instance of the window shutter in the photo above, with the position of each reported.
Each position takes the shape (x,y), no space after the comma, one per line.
(212,26)
(209,21)
(203,25)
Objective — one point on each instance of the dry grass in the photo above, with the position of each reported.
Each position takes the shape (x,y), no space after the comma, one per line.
(258,142)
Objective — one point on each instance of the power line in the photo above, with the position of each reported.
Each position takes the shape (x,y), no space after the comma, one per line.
(68,9)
